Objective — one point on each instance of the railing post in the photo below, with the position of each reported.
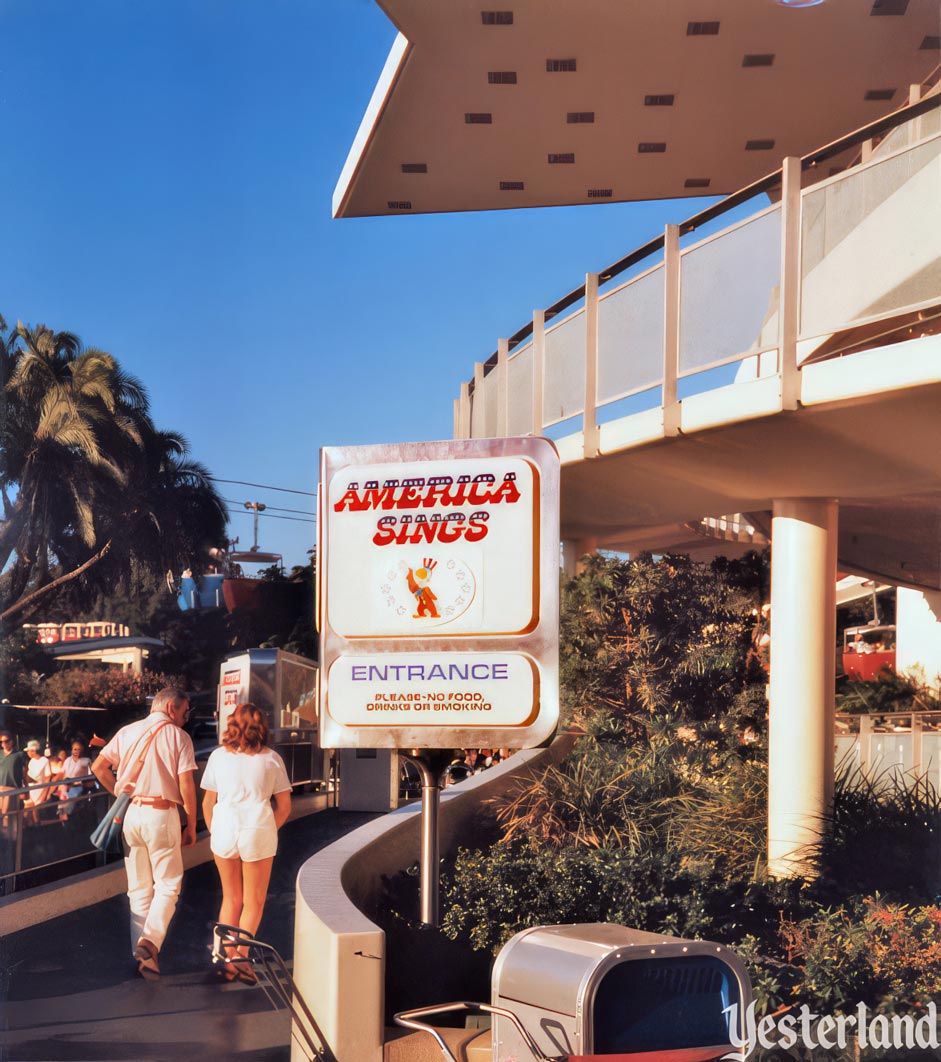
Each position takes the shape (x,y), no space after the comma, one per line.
(479,397)
(789,310)
(671,329)
(589,414)
(539,368)
(914,95)
(503,350)
(918,745)
(865,744)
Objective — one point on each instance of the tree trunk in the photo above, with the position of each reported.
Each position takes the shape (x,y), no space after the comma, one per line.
(30,599)
(9,531)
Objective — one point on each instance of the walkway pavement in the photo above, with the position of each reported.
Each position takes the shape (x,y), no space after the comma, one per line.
(69,991)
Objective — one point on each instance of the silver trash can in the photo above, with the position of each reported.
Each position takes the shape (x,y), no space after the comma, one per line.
(602,989)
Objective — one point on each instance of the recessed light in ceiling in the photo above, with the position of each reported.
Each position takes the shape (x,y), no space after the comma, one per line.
(664,100)
(478,119)
(496,18)
(501,77)
(560,66)
(758,60)
(511,186)
(580,117)
(651,147)
(702,29)
(696,182)
(600,193)
(562,157)
(414,167)
(930,44)
(889,7)
(399,204)
(880,94)
(759,145)
(799,3)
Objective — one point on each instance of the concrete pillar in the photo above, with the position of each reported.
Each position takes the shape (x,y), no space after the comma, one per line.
(573,550)
(803,665)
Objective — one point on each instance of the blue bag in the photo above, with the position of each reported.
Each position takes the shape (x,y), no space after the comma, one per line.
(107,835)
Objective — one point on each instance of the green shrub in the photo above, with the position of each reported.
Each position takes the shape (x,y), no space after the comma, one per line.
(890,692)
(110,688)
(883,954)
(883,834)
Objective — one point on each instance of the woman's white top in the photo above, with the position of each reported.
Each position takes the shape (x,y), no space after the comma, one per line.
(241,779)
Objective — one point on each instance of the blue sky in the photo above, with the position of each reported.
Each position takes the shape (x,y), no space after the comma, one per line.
(166,188)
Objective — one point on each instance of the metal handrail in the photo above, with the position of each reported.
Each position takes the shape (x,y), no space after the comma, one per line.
(13,827)
(408,1020)
(277,983)
(730,202)
(24,790)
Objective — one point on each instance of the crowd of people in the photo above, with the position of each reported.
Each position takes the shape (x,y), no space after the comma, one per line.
(468,762)
(55,779)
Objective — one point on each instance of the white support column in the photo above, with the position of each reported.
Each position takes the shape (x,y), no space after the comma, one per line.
(803,664)
(539,368)
(503,350)
(479,402)
(589,416)
(671,329)
(789,311)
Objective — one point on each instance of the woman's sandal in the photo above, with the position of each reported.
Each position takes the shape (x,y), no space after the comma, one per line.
(239,968)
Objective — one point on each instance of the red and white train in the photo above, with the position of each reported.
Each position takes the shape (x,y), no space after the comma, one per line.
(76,631)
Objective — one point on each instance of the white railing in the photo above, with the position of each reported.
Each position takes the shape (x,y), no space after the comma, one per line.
(885,748)
(858,247)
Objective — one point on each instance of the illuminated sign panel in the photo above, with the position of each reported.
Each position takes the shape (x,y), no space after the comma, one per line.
(439,594)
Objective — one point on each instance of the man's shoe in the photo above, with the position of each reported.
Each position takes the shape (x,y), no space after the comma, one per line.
(146,955)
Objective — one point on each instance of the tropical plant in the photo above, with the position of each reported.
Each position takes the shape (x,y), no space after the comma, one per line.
(643,640)
(889,692)
(86,480)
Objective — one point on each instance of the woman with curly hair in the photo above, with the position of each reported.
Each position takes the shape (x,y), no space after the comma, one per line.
(241,778)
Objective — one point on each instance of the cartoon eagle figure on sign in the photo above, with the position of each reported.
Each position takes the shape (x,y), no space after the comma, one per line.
(418,580)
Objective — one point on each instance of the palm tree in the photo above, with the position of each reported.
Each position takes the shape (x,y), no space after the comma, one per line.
(84,473)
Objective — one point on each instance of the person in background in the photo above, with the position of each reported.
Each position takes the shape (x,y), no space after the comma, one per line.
(242,777)
(76,766)
(37,770)
(57,764)
(12,776)
(152,830)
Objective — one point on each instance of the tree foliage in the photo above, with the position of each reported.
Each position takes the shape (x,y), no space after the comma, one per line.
(89,486)
(657,820)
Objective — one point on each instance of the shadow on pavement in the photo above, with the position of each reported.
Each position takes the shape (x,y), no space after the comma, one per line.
(70,990)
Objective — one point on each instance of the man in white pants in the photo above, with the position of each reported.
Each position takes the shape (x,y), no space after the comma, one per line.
(152,834)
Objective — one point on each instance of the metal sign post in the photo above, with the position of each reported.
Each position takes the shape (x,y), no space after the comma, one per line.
(431,765)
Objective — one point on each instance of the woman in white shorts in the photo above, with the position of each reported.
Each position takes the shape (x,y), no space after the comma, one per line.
(241,778)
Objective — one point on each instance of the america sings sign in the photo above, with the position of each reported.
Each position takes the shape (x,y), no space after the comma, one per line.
(438,570)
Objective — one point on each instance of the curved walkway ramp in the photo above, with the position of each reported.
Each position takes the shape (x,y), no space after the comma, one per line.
(69,990)
(339,953)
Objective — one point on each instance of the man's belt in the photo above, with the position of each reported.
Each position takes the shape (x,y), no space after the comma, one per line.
(153,802)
